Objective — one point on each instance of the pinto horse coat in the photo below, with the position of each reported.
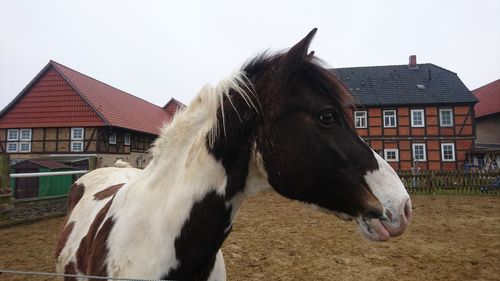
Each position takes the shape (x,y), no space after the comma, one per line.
(282,122)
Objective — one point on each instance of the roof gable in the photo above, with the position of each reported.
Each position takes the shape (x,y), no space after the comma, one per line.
(489,99)
(172,106)
(401,85)
(102,104)
(48,101)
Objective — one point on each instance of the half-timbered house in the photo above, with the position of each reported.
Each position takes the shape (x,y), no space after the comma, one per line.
(64,113)
(417,116)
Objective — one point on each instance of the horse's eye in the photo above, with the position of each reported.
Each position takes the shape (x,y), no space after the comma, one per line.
(327,118)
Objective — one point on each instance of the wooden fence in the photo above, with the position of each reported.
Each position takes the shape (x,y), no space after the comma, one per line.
(454,182)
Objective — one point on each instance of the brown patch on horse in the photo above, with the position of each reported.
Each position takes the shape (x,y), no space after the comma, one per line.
(110,191)
(63,238)
(75,194)
(99,250)
(70,269)
(81,255)
(92,251)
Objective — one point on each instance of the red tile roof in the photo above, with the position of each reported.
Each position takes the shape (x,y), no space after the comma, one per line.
(489,99)
(116,107)
(49,101)
(111,106)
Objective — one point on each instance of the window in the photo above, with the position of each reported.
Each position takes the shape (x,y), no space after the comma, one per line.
(419,152)
(446,117)
(12,134)
(25,147)
(25,134)
(126,139)
(417,118)
(76,146)
(15,135)
(12,147)
(360,119)
(77,137)
(77,133)
(112,138)
(389,118)
(391,155)
(448,151)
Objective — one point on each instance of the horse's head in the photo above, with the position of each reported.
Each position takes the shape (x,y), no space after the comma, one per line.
(310,150)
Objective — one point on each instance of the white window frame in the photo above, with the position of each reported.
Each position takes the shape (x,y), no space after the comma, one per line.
(363,119)
(394,117)
(387,151)
(424,152)
(126,139)
(9,131)
(452,154)
(441,111)
(112,138)
(412,115)
(21,131)
(73,148)
(73,137)
(19,149)
(7,148)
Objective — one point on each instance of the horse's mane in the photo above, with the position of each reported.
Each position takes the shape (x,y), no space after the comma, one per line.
(202,113)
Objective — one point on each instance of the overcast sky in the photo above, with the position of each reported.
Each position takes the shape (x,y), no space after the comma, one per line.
(162,49)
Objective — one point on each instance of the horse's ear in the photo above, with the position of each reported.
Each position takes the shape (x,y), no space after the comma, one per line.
(296,55)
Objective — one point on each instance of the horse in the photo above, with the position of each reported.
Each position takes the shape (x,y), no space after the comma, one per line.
(281,123)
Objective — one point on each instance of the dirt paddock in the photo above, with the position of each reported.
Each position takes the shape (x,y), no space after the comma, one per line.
(450,238)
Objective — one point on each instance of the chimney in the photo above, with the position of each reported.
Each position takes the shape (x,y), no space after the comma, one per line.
(412,64)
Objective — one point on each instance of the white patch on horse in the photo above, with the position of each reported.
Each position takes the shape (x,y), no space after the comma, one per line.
(387,187)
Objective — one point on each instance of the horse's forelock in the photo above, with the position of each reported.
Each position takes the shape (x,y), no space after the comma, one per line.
(329,85)
(313,70)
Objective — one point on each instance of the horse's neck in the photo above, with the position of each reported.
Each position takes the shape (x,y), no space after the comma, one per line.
(204,166)
(188,178)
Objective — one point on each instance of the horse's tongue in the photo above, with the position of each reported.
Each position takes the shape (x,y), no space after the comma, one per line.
(379,232)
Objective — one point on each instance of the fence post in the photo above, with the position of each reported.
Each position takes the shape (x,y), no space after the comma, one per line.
(5,192)
(92,163)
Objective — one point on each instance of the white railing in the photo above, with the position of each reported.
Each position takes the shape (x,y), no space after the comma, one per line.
(32,175)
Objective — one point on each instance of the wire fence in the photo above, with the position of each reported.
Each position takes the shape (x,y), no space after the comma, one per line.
(63,275)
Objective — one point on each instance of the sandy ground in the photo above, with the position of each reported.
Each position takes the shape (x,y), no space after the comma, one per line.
(450,238)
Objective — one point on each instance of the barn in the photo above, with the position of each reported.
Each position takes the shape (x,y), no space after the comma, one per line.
(417,116)
(65,115)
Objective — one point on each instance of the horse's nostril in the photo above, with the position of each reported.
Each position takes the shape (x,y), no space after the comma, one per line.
(408,210)
(373,214)
(388,213)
